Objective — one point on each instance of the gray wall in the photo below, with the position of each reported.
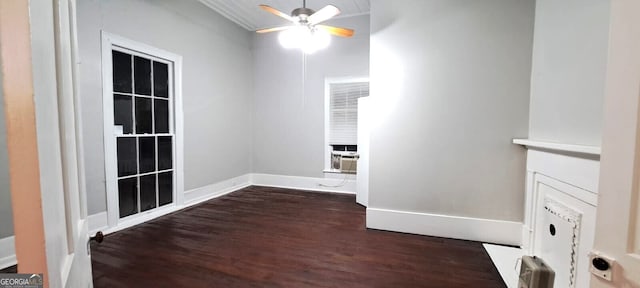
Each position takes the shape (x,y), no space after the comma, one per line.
(217,84)
(6,214)
(288,124)
(569,66)
(451,81)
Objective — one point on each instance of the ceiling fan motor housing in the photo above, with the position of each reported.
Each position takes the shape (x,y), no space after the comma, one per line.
(302,13)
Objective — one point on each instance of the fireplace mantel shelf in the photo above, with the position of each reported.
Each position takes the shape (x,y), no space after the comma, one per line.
(582,149)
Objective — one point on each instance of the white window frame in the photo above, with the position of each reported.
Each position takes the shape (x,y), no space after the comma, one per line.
(327,114)
(109,42)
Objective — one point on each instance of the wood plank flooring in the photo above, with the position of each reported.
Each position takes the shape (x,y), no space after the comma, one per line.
(272,237)
(10,269)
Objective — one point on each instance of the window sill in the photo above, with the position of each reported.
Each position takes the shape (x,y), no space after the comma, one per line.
(336,171)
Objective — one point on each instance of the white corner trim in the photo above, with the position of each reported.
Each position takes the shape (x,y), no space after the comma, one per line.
(305,183)
(582,149)
(98,222)
(7,252)
(198,195)
(476,229)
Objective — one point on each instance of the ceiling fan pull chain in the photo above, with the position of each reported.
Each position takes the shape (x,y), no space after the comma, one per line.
(304,79)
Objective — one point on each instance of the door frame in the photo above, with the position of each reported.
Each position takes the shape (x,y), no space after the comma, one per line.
(111,165)
(39,55)
(617,236)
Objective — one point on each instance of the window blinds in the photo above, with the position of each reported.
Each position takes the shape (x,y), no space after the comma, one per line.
(344,111)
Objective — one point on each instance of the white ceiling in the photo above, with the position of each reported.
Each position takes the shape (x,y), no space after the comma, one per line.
(248,15)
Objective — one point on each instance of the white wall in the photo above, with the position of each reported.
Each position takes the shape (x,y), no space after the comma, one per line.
(288,124)
(450,79)
(217,84)
(6,214)
(568,73)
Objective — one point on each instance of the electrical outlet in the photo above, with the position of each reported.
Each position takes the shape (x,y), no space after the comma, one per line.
(601,265)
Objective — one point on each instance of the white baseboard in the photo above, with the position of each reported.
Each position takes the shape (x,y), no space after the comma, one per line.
(97,222)
(142,218)
(7,252)
(305,183)
(476,229)
(205,193)
(485,230)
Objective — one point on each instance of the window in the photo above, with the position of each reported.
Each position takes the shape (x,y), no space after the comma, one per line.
(142,129)
(341,119)
(142,108)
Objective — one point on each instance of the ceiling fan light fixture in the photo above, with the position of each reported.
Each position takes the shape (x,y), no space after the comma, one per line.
(294,37)
(306,33)
(320,39)
(308,39)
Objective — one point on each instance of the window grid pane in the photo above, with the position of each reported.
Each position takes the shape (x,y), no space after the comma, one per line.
(142,75)
(121,71)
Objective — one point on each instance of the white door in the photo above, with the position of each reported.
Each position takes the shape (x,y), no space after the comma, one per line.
(618,216)
(44,144)
(362,182)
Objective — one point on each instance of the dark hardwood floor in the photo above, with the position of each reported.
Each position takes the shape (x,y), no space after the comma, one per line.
(10,269)
(272,237)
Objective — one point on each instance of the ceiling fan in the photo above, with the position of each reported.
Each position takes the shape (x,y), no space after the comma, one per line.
(306,32)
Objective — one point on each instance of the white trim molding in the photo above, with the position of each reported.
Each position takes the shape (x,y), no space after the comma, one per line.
(334,185)
(7,252)
(199,195)
(560,147)
(476,229)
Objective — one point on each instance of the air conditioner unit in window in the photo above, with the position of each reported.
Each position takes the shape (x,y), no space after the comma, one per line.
(344,161)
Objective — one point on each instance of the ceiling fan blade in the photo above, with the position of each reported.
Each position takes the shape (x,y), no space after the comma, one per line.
(323,14)
(338,31)
(276,12)
(274,29)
